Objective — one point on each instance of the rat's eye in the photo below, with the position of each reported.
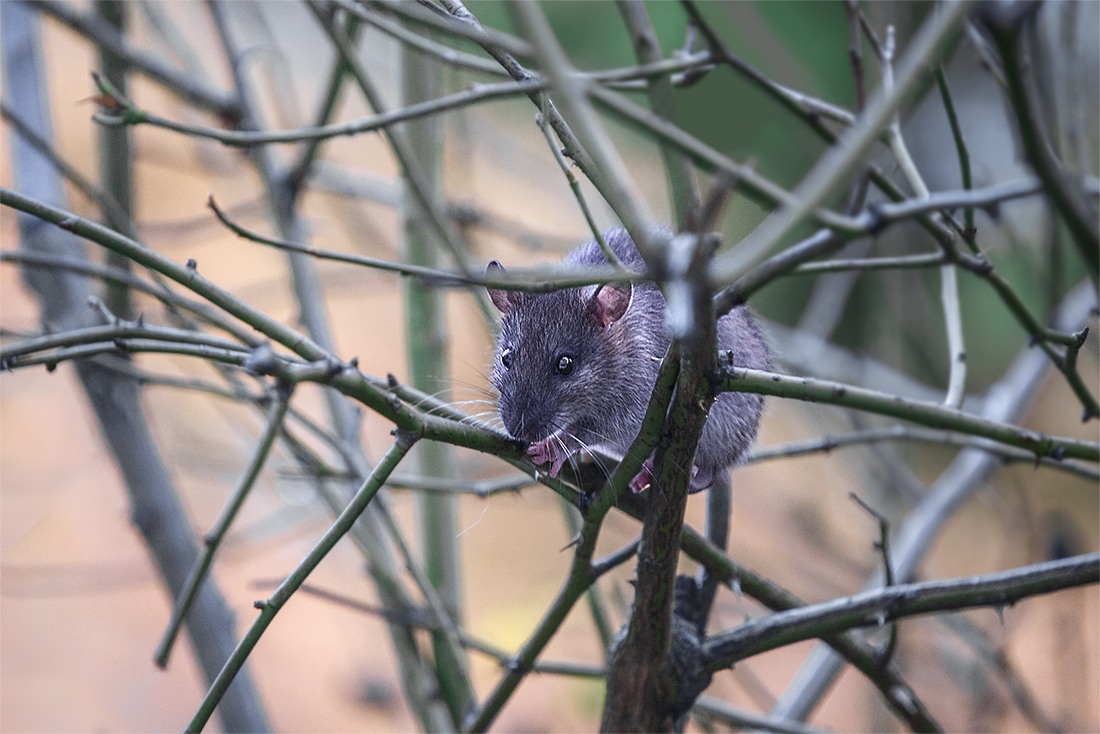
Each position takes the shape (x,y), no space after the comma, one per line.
(506,359)
(564,365)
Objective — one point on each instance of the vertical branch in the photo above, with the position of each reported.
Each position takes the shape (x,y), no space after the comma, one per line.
(960,146)
(297,175)
(681,177)
(855,53)
(690,216)
(651,679)
(428,349)
(607,170)
(949,284)
(282,199)
(1007,25)
(114,153)
(155,507)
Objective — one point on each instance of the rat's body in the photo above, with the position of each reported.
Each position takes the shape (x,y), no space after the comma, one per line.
(575,368)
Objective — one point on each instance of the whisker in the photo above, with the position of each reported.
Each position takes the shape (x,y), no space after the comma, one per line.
(595,458)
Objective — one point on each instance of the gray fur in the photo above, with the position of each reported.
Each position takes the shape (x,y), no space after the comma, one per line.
(603,400)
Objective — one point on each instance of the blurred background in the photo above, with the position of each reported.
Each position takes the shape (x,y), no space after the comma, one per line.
(81,603)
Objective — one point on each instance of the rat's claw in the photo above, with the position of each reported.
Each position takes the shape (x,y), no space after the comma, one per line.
(545,451)
(550,450)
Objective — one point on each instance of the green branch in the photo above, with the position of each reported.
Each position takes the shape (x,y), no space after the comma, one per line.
(877,607)
(271,606)
(186,275)
(741,379)
(273,424)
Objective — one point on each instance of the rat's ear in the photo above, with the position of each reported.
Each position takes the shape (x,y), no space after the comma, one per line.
(505,301)
(609,302)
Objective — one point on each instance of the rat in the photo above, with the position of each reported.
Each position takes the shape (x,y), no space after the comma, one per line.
(574,369)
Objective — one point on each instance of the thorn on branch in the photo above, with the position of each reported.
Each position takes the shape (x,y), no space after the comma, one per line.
(572,543)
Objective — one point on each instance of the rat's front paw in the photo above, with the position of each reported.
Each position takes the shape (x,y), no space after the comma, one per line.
(549,449)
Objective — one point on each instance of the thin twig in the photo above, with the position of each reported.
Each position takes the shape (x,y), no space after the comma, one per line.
(273,423)
(11,354)
(608,172)
(89,267)
(246,138)
(153,66)
(575,186)
(682,186)
(871,263)
(855,53)
(826,444)
(271,606)
(960,147)
(949,285)
(930,42)
(531,280)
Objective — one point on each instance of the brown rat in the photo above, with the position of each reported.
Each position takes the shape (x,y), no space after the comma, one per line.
(575,369)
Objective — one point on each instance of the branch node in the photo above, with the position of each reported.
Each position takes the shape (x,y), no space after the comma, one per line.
(261,361)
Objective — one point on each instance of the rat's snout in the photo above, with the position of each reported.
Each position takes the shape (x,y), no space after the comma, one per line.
(524,417)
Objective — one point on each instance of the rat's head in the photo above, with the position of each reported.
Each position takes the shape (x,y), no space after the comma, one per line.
(555,360)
